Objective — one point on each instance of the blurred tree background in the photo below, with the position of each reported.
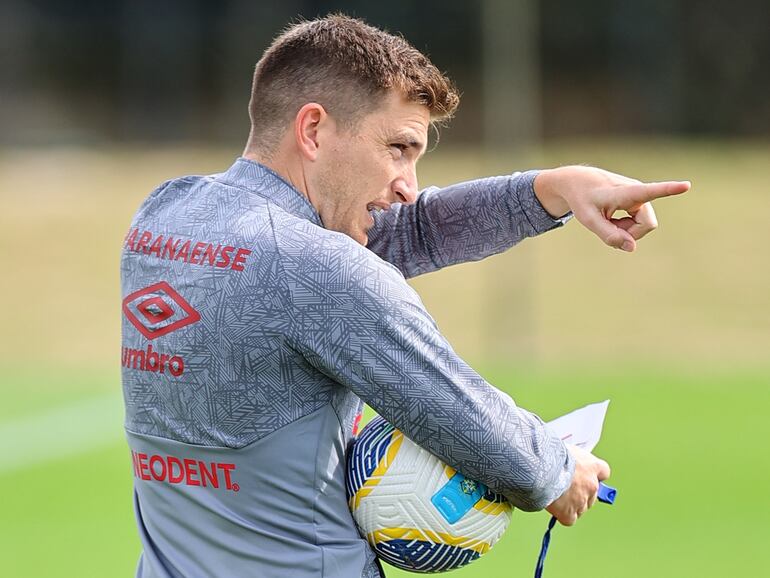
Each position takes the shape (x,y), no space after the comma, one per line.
(89,72)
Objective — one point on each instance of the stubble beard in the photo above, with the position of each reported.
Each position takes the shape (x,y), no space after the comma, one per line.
(337,195)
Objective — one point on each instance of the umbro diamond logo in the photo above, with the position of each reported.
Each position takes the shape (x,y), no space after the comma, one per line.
(158,310)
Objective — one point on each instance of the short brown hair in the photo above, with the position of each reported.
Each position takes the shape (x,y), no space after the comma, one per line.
(346,66)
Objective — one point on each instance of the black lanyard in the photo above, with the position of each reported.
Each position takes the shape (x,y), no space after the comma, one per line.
(606,494)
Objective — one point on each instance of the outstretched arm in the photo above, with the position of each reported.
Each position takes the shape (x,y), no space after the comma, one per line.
(463,222)
(473,220)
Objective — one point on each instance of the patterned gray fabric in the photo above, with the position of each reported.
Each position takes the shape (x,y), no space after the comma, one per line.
(242,343)
(460,223)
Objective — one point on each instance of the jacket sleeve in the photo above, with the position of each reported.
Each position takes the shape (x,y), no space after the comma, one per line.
(356,320)
(463,222)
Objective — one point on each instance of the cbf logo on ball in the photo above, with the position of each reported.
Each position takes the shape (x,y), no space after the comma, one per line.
(416,512)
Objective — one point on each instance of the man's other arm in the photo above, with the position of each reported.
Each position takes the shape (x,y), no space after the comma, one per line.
(358,322)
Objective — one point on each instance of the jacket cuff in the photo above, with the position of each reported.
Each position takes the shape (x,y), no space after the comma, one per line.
(523,189)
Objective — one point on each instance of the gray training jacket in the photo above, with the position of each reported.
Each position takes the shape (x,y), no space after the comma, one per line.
(251,335)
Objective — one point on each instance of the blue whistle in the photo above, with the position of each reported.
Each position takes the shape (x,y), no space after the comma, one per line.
(606,494)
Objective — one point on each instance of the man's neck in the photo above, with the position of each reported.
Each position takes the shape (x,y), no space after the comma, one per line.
(283,165)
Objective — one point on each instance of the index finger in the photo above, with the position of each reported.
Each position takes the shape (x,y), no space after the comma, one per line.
(646,192)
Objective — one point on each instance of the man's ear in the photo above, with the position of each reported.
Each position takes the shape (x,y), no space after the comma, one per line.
(306,128)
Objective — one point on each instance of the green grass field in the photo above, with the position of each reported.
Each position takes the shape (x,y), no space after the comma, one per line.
(689,457)
(677,336)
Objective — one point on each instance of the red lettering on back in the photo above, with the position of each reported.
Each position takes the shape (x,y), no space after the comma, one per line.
(227,468)
(131,238)
(143,467)
(135,461)
(191,251)
(155,247)
(155,459)
(170,248)
(196,252)
(210,254)
(240,259)
(183,252)
(225,256)
(211,476)
(176,365)
(175,479)
(138,357)
(187,471)
(142,242)
(190,472)
(152,361)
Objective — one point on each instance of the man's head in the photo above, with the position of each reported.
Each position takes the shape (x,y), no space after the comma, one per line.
(342,110)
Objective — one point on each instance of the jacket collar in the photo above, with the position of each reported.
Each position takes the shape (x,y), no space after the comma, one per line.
(259,179)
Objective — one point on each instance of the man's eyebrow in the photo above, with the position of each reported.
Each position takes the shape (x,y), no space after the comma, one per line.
(409,139)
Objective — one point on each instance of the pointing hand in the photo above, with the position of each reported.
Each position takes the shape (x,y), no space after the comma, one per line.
(595,195)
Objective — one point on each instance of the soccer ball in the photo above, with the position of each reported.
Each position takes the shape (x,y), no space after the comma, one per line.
(416,512)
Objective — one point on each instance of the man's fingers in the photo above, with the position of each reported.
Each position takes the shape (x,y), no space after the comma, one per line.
(635,195)
(567,520)
(624,223)
(596,207)
(602,469)
(582,493)
(612,234)
(639,223)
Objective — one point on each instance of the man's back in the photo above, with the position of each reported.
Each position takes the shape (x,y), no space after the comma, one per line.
(237,440)
(250,333)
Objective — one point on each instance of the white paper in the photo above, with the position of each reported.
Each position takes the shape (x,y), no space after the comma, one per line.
(582,427)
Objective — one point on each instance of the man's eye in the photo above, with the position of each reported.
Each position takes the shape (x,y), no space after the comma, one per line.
(400,146)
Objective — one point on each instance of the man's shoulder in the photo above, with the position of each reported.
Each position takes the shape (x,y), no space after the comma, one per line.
(326,266)
(302,240)
(181,183)
(201,201)
(173,196)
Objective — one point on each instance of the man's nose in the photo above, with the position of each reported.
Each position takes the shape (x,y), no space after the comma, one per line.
(405,188)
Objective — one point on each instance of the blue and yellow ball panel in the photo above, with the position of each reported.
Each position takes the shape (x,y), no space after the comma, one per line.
(368,451)
(425,557)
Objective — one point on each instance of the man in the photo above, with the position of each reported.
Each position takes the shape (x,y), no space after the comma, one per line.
(262,304)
